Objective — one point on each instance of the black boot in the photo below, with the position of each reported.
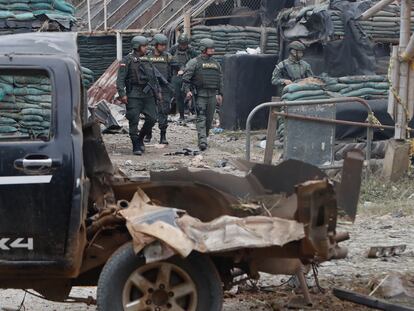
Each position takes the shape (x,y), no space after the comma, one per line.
(148,138)
(141,139)
(135,146)
(163,138)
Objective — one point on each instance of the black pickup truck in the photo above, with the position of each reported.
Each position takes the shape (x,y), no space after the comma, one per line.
(172,242)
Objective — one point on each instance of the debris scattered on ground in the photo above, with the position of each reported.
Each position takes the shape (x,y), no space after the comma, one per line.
(386,251)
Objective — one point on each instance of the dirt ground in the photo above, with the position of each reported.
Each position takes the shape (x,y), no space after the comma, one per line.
(385,218)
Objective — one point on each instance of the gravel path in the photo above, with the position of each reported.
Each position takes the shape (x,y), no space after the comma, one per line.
(373,227)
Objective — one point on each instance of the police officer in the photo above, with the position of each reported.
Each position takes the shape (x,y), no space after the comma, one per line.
(203,80)
(162,62)
(136,84)
(182,53)
(293,68)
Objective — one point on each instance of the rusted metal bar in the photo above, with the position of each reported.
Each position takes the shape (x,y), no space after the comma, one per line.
(304,286)
(371,302)
(330,121)
(270,137)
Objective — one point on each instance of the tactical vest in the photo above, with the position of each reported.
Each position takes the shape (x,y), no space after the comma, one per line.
(181,57)
(140,70)
(295,71)
(207,74)
(162,64)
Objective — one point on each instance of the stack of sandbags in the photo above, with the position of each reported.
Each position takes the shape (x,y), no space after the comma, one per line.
(231,39)
(30,15)
(98,52)
(25,105)
(306,89)
(383,25)
(367,87)
(87,77)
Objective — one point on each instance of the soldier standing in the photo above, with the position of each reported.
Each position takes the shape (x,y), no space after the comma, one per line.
(136,84)
(162,62)
(182,53)
(293,68)
(203,80)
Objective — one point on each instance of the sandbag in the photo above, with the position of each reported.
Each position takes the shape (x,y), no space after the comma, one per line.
(4,129)
(302,94)
(7,121)
(366,92)
(362,79)
(34,111)
(295,87)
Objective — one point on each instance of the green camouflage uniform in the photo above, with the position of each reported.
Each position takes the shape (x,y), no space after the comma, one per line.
(163,64)
(179,60)
(290,69)
(134,74)
(204,74)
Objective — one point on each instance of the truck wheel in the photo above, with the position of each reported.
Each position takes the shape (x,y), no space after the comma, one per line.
(126,283)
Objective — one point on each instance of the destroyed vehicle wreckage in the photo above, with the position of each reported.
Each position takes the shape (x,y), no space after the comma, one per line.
(166,243)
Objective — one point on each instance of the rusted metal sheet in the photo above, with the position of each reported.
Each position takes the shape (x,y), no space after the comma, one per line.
(147,15)
(184,233)
(348,190)
(104,87)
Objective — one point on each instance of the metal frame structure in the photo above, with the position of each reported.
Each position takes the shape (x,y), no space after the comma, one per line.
(272,123)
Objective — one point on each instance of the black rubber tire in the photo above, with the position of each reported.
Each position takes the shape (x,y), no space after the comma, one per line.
(124,261)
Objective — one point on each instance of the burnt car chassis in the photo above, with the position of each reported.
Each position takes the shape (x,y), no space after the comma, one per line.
(176,240)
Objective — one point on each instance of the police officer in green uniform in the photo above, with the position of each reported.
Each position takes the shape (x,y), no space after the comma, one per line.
(162,62)
(182,53)
(293,68)
(203,80)
(137,87)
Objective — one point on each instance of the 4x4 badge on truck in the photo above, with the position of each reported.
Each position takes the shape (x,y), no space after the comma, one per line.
(7,244)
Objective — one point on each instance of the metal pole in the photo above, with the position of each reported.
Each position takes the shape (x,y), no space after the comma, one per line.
(375,9)
(187,23)
(118,46)
(401,120)
(394,82)
(89,15)
(408,54)
(105,15)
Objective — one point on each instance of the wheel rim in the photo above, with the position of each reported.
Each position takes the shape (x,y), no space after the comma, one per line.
(159,286)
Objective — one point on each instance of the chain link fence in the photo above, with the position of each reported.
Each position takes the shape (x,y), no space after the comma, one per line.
(227,7)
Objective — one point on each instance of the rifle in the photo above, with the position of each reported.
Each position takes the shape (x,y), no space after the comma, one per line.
(151,85)
(163,80)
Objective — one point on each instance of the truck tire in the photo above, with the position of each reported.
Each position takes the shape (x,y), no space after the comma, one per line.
(126,283)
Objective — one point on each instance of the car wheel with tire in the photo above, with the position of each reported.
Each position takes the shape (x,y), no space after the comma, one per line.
(126,283)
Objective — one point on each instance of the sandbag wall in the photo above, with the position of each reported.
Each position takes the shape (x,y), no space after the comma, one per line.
(30,15)
(367,87)
(382,26)
(98,52)
(245,89)
(25,105)
(230,39)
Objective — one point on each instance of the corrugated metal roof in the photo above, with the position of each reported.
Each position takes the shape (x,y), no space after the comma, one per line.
(105,86)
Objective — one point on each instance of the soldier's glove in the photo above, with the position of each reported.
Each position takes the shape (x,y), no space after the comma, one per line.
(219,99)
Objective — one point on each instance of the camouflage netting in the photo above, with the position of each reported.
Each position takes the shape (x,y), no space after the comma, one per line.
(231,39)
(33,15)
(25,105)
(367,87)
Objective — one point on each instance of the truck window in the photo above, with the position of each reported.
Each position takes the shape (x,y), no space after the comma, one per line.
(25,104)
